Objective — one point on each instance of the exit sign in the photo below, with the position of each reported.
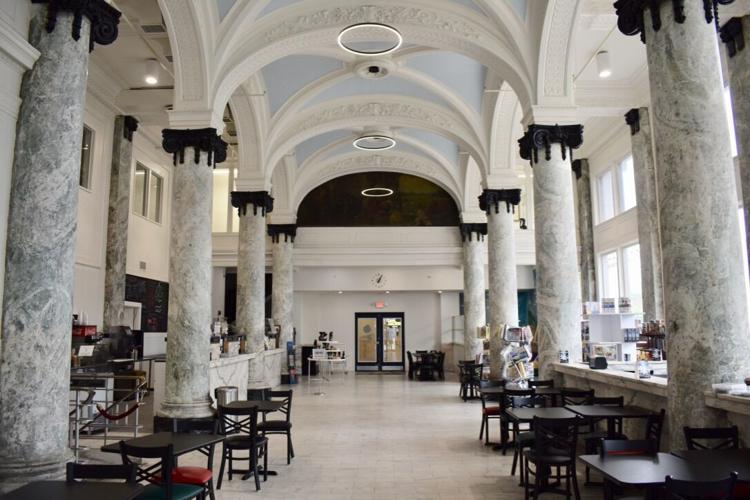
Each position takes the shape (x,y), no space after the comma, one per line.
(379,304)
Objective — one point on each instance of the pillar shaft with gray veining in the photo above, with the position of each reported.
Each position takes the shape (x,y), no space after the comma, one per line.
(648,214)
(282,300)
(736,37)
(558,291)
(251,276)
(502,282)
(189,318)
(704,295)
(586,255)
(37,303)
(474,287)
(117,225)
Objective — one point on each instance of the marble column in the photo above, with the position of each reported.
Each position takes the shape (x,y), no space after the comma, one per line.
(648,213)
(499,205)
(251,277)
(558,292)
(736,37)
(189,318)
(282,298)
(117,225)
(704,296)
(586,255)
(474,287)
(40,248)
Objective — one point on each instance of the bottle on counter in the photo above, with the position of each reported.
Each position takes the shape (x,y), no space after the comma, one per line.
(216,327)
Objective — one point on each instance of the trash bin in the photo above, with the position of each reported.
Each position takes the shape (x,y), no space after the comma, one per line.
(226,394)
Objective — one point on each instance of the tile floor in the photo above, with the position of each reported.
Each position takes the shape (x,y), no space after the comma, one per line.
(378,436)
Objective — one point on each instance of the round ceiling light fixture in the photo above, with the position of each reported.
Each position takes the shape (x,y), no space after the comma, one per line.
(377,192)
(370,39)
(374,142)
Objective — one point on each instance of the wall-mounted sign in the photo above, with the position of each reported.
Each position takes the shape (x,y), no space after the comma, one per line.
(379,304)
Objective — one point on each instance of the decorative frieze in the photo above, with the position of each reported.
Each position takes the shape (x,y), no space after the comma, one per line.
(493,197)
(288,230)
(468,230)
(537,137)
(733,36)
(630,14)
(104,18)
(633,118)
(200,139)
(130,125)
(258,199)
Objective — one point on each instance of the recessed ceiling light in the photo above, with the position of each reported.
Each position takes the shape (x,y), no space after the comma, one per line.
(370,39)
(374,142)
(603,64)
(152,72)
(377,192)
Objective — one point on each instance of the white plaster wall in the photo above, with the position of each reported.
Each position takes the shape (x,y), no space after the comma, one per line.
(426,316)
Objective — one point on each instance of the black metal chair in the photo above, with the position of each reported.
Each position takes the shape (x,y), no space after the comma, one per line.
(159,475)
(470,376)
(199,476)
(593,439)
(278,426)
(719,438)
(440,365)
(554,446)
(75,471)
(654,426)
(413,365)
(240,426)
(570,397)
(491,412)
(518,398)
(676,489)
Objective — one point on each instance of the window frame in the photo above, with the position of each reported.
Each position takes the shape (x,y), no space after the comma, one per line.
(90,159)
(147,198)
(623,288)
(621,185)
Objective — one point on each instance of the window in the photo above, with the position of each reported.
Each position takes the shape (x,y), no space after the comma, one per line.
(148,188)
(627,184)
(610,282)
(730,120)
(220,212)
(631,272)
(87,144)
(606,196)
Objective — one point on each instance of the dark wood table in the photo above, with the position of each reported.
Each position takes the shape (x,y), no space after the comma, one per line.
(182,443)
(263,406)
(87,490)
(725,460)
(650,471)
(610,413)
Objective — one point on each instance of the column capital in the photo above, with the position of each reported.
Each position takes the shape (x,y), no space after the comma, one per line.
(633,118)
(103,17)
(493,197)
(467,230)
(175,141)
(258,199)
(130,125)
(543,136)
(630,14)
(733,36)
(276,230)
(578,167)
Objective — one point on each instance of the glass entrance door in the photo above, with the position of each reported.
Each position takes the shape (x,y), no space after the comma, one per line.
(379,342)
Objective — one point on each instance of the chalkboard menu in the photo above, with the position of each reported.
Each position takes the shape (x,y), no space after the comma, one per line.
(154,298)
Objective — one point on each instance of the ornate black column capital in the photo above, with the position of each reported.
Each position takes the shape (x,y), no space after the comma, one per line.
(630,14)
(543,136)
(468,230)
(288,230)
(130,125)
(733,36)
(493,197)
(175,141)
(633,118)
(104,18)
(258,199)
(577,168)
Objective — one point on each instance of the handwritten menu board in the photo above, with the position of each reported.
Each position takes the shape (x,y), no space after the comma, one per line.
(154,298)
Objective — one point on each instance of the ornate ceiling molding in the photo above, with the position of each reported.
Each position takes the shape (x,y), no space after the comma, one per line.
(554,77)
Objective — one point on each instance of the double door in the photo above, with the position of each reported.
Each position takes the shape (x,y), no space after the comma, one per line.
(379,341)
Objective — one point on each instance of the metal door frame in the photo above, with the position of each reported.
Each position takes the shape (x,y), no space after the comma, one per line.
(379,364)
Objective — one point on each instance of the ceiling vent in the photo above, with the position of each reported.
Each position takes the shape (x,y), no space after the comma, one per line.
(374,69)
(152,29)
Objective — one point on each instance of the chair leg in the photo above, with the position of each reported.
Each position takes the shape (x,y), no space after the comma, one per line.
(481,429)
(288,448)
(221,469)
(211,493)
(265,462)
(515,460)
(231,464)
(576,492)
(537,482)
(254,466)
(526,480)
(291,446)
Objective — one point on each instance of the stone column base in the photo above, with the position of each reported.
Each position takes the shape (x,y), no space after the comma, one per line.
(13,476)
(201,409)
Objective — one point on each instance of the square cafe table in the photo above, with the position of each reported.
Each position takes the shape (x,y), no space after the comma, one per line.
(182,443)
(610,413)
(85,490)
(727,460)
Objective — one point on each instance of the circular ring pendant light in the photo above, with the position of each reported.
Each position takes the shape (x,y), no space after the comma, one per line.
(377,192)
(370,39)
(374,142)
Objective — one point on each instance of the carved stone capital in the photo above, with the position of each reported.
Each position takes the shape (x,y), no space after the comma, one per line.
(468,230)
(537,137)
(733,36)
(104,18)
(201,139)
(633,118)
(493,197)
(130,125)
(258,199)
(578,168)
(630,14)
(288,230)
